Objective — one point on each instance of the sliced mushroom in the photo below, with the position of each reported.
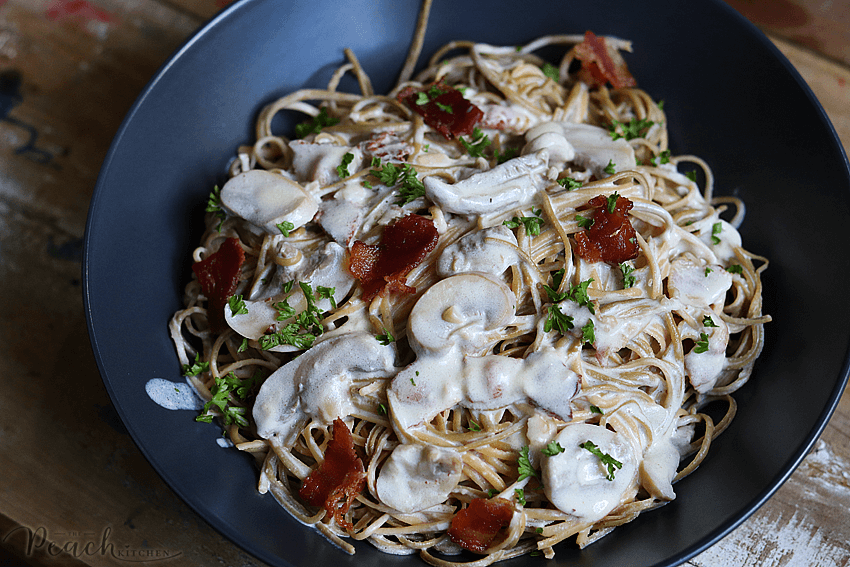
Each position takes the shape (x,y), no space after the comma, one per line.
(505,187)
(319,384)
(696,284)
(433,384)
(592,146)
(416,477)
(578,482)
(467,311)
(318,162)
(324,269)
(491,250)
(267,199)
(549,136)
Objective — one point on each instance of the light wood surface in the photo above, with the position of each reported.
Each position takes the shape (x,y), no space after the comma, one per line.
(71,476)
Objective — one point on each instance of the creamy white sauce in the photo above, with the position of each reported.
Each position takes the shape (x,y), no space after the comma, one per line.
(173,395)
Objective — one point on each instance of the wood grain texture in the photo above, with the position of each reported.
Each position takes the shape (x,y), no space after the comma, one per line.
(72,477)
(820,25)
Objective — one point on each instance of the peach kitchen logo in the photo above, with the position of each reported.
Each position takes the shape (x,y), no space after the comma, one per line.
(80,545)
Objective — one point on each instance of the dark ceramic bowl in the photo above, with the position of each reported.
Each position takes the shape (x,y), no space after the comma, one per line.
(731,98)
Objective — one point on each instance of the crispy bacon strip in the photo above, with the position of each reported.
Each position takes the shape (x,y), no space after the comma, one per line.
(339,479)
(218,275)
(602,64)
(404,244)
(443,108)
(476,526)
(611,238)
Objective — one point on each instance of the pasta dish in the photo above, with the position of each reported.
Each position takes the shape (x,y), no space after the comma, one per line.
(478,315)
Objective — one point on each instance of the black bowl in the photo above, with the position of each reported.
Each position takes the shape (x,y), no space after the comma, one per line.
(731,98)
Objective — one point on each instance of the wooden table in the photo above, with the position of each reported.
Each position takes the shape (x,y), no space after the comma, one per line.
(69,71)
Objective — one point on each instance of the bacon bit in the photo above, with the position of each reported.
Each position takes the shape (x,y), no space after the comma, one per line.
(602,64)
(461,119)
(218,275)
(611,238)
(476,526)
(404,244)
(339,479)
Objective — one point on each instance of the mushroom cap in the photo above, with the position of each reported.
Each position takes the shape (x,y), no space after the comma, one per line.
(505,187)
(266,199)
(416,477)
(463,311)
(576,481)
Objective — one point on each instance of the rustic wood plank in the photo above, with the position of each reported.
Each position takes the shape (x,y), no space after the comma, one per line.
(818,25)
(806,522)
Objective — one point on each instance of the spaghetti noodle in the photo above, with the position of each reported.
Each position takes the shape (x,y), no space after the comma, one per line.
(485,311)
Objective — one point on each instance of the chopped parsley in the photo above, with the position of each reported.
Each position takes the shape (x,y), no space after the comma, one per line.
(197,367)
(244,346)
(664,156)
(315,125)
(386,338)
(595,409)
(474,426)
(532,224)
(708,322)
(551,71)
(382,409)
(628,277)
(584,222)
(503,157)
(327,293)
(222,389)
(410,186)
(587,332)
(285,228)
(302,332)
(524,467)
(553,449)
(708,271)
(702,344)
(692,175)
(519,493)
(578,293)
(237,305)
(635,128)
(284,310)
(479,141)
(612,202)
(214,205)
(606,459)
(555,319)
(422,98)
(716,229)
(610,168)
(735,269)
(569,183)
(342,168)
(444,107)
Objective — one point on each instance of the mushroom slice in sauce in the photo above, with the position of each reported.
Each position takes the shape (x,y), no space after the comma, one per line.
(416,477)
(467,311)
(491,250)
(318,384)
(507,186)
(577,480)
(267,199)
